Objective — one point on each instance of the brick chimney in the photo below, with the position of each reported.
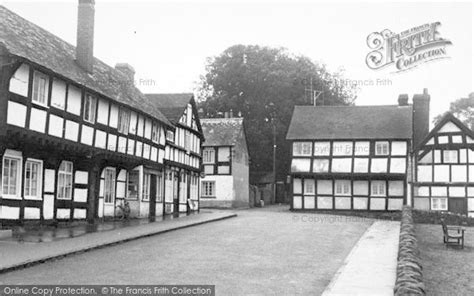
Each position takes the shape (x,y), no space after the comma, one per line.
(421,117)
(127,70)
(403,100)
(85,34)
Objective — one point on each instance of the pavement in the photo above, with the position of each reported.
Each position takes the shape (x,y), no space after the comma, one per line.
(16,254)
(370,268)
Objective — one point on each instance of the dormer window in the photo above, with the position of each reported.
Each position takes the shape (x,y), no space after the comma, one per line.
(90,107)
(381,148)
(40,88)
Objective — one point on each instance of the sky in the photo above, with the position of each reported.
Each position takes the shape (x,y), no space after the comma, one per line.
(168,42)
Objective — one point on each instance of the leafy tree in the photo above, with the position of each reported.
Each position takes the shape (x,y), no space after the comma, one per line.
(264,83)
(463,109)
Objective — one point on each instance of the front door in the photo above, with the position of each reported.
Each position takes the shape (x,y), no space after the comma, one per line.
(153,192)
(457,205)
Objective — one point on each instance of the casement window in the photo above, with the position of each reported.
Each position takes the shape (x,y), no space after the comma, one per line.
(124,121)
(381,148)
(159,188)
(343,187)
(11,177)
(378,188)
(208,155)
(90,107)
(33,177)
(146,187)
(450,156)
(309,186)
(439,204)
(302,148)
(208,188)
(170,136)
(109,185)
(40,88)
(132,184)
(65,180)
(155,133)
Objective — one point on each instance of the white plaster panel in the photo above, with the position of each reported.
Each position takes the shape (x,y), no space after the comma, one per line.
(100,139)
(38,120)
(101,189)
(361,203)
(16,114)
(377,204)
(122,176)
(131,147)
(300,165)
(421,203)
(74,100)
(458,173)
(470,204)
(72,130)
(146,151)
(441,191)
(133,123)
(449,127)
(471,173)
(457,139)
(100,211)
(120,189)
(63,213)
(58,94)
(457,191)
(148,128)
(48,206)
(113,120)
(437,156)
(122,145)
(395,204)
(324,187)
(398,165)
(342,148)
(112,142)
(463,155)
(422,191)
(361,188)
(342,203)
(399,148)
(9,213)
(103,112)
(361,165)
(297,202)
(362,148)
(470,191)
(443,139)
(297,186)
(49,180)
(56,125)
(80,213)
(425,173)
(80,195)
(31,213)
(324,202)
(19,81)
(379,165)
(322,148)
(81,177)
(441,173)
(139,150)
(395,188)
(154,154)
(87,135)
(309,202)
(341,165)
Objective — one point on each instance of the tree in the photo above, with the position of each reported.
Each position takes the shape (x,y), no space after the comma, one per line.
(462,109)
(264,83)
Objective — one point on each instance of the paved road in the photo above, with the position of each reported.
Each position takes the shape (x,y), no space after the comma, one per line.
(261,252)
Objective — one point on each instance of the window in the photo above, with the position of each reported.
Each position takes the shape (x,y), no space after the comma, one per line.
(208,189)
(65,180)
(109,185)
(450,156)
(146,186)
(439,204)
(208,155)
(58,94)
(11,176)
(132,191)
(90,104)
(378,188)
(33,177)
(302,148)
(40,88)
(170,136)
(124,121)
(155,132)
(309,186)
(381,148)
(343,187)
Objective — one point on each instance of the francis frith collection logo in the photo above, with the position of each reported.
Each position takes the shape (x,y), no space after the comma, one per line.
(407,49)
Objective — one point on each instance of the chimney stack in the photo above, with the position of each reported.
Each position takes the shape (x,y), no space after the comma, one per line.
(127,70)
(85,34)
(421,117)
(403,100)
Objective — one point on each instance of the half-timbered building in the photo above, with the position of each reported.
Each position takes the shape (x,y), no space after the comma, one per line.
(226,163)
(354,157)
(182,152)
(77,138)
(445,169)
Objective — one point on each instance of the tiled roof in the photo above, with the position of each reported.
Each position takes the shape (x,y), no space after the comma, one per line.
(171,105)
(24,39)
(221,131)
(351,122)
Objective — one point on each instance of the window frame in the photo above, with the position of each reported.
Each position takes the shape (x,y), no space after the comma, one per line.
(34,92)
(378,187)
(432,208)
(447,156)
(206,155)
(212,189)
(385,144)
(18,185)
(146,186)
(39,182)
(343,185)
(65,174)
(91,109)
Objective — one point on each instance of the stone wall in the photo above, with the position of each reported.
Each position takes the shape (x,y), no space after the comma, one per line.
(409,270)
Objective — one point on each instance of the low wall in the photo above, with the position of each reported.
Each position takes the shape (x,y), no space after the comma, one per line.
(409,270)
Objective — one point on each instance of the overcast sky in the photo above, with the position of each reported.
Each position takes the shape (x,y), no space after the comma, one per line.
(168,42)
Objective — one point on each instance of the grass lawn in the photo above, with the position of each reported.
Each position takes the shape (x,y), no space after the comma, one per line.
(446,270)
